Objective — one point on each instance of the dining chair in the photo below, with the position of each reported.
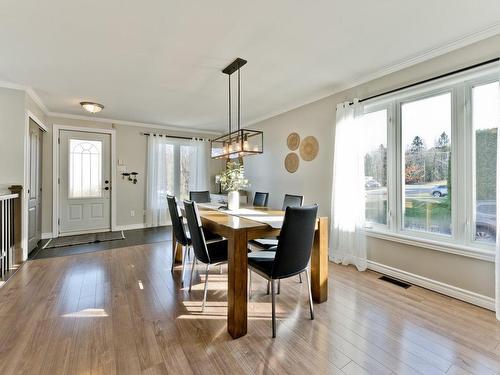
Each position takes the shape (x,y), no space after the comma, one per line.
(207,252)
(182,237)
(199,196)
(260,199)
(179,232)
(292,254)
(268,243)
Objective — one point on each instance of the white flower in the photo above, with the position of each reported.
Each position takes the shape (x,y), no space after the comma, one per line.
(233,178)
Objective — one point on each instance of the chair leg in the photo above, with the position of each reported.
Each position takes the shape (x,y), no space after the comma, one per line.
(300,278)
(310,294)
(220,269)
(268,286)
(249,283)
(205,291)
(186,251)
(192,273)
(279,286)
(273,306)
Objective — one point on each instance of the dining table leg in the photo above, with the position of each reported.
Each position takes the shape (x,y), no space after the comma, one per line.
(237,284)
(319,262)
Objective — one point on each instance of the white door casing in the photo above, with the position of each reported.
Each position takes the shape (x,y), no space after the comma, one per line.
(84,182)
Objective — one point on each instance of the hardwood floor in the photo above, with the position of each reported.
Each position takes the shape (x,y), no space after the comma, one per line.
(121,311)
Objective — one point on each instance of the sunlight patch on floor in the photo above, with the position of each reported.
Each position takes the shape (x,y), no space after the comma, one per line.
(87,313)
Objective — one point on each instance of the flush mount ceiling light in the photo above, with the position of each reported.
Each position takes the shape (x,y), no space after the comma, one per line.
(241,142)
(92,107)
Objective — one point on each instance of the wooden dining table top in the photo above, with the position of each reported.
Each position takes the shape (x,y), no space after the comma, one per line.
(234,220)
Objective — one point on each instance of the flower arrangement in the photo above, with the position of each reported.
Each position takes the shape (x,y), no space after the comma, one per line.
(233,178)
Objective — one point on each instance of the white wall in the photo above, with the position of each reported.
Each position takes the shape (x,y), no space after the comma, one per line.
(12,137)
(313,179)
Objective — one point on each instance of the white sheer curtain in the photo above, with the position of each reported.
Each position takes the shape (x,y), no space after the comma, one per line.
(199,164)
(159,176)
(173,167)
(348,242)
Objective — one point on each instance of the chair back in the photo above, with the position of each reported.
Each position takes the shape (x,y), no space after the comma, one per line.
(195,229)
(260,199)
(176,218)
(199,196)
(292,201)
(295,241)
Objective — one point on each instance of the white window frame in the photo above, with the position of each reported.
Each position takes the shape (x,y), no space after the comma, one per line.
(376,108)
(462,240)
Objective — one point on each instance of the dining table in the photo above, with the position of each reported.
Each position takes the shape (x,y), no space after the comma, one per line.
(245,224)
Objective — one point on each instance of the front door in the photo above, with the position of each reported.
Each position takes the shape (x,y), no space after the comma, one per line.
(34,185)
(84,183)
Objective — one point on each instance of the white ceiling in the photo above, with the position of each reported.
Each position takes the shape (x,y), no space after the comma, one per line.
(159,61)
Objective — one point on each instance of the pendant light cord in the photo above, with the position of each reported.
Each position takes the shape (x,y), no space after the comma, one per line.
(239,100)
(229,76)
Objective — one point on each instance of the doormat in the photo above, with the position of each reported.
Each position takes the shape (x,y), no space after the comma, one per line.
(82,239)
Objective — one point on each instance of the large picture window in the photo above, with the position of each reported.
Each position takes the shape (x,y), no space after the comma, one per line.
(431,162)
(426,137)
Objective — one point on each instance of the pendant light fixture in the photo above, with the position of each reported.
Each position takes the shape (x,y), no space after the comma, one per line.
(241,142)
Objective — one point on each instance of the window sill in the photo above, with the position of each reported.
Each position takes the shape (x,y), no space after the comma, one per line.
(467,251)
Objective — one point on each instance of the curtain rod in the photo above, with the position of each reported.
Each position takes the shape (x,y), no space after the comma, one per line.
(430,79)
(176,137)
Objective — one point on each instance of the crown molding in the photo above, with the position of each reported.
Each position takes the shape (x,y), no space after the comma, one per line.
(429,54)
(34,96)
(28,90)
(131,123)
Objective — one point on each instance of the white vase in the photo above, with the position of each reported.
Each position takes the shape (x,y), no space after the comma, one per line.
(233,200)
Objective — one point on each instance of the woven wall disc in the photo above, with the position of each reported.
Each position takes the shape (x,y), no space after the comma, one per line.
(292,162)
(309,148)
(293,141)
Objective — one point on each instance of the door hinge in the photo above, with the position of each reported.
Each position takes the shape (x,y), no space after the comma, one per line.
(58,221)
(58,180)
(59,141)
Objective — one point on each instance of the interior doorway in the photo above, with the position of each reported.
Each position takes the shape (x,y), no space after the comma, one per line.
(34,185)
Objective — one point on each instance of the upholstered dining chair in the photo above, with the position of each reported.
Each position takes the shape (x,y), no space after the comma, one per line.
(267,243)
(182,237)
(207,252)
(199,196)
(179,232)
(292,254)
(260,199)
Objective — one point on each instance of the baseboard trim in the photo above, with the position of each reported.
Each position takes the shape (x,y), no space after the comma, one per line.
(46,236)
(437,286)
(130,226)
